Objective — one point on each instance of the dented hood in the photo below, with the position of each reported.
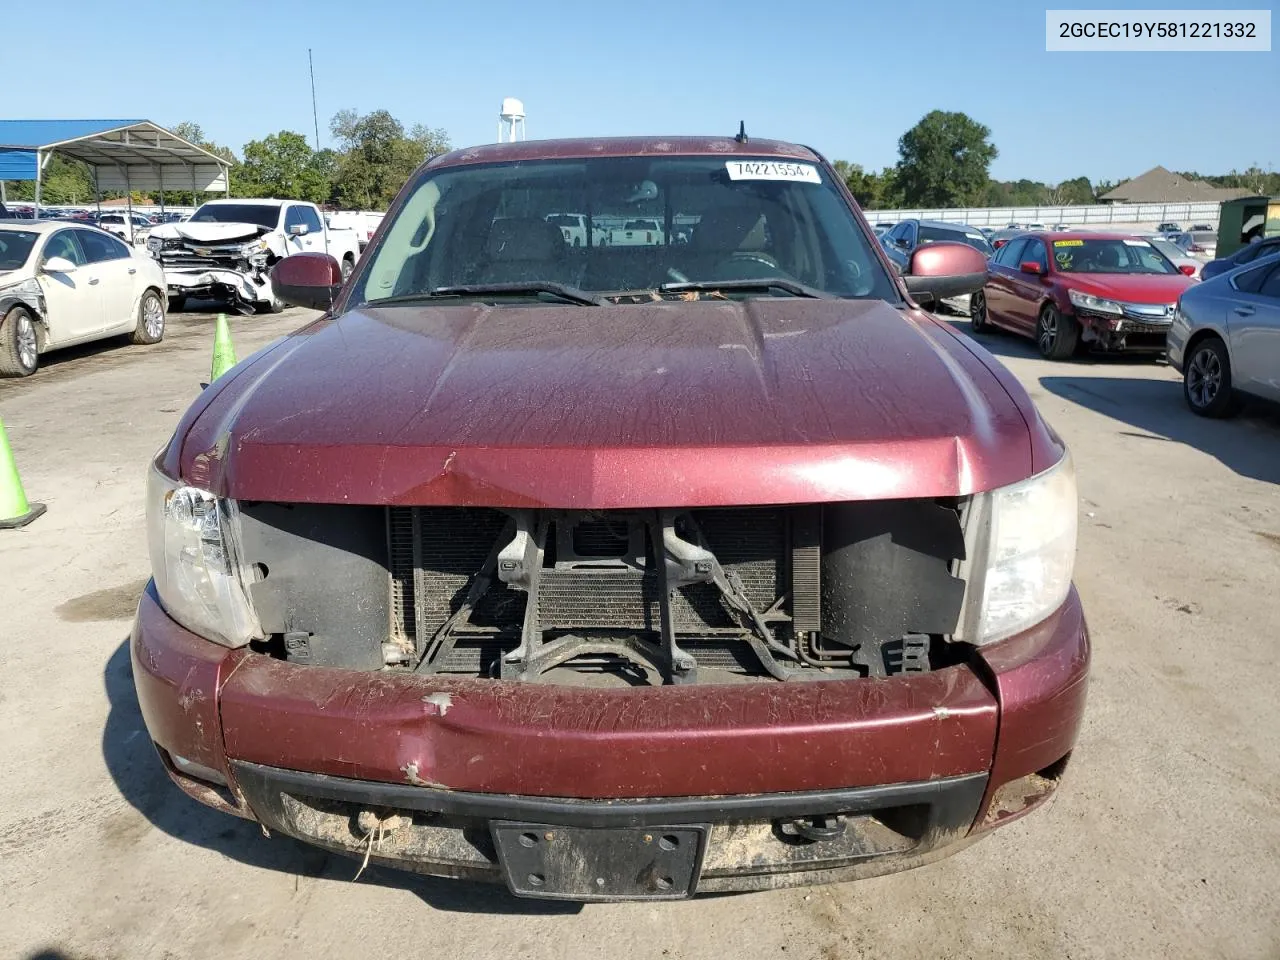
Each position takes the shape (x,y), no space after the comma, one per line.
(663,404)
(211,232)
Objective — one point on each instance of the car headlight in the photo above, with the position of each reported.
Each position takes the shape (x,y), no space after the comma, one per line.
(249,249)
(1030,550)
(1087,301)
(196,562)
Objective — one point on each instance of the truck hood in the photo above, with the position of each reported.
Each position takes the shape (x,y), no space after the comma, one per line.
(210,232)
(663,404)
(1133,288)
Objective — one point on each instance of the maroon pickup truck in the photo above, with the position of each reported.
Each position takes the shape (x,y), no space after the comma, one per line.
(618,571)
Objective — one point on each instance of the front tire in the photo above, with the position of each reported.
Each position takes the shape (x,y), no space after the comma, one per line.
(348,268)
(150,328)
(19,344)
(978,313)
(1206,380)
(1057,335)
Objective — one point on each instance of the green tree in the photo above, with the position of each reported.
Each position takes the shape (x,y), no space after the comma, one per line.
(62,182)
(873,191)
(943,161)
(283,165)
(1076,191)
(191,131)
(377,156)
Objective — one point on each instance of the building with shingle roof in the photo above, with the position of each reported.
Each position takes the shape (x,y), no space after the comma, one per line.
(1159,185)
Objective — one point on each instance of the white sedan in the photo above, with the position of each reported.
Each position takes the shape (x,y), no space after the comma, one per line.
(62,284)
(1176,255)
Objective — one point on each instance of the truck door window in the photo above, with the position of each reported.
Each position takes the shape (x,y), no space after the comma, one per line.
(309,216)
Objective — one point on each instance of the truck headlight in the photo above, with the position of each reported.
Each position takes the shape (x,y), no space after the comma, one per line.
(1030,551)
(1087,301)
(249,249)
(155,244)
(195,559)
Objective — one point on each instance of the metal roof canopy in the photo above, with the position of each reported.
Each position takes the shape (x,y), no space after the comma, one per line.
(123,155)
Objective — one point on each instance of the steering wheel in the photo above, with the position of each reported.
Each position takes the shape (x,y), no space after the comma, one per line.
(754,256)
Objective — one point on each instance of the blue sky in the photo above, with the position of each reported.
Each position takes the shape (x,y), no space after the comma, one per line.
(845,77)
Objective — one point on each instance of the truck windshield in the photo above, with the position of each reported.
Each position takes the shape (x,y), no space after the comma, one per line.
(257,213)
(706,219)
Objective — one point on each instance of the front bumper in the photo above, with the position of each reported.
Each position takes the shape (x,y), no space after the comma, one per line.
(1128,333)
(914,766)
(217,283)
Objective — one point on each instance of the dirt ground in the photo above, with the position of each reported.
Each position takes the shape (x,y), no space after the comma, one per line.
(1164,842)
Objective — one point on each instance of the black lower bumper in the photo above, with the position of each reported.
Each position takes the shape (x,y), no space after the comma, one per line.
(1123,334)
(618,849)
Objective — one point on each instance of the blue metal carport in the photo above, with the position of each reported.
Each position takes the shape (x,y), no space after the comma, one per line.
(123,155)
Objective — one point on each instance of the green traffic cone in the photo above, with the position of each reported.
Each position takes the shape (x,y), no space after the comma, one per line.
(224,354)
(15,511)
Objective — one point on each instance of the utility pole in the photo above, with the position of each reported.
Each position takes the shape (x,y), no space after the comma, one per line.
(315,116)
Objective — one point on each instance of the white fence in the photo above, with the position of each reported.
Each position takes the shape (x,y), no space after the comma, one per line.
(1185,214)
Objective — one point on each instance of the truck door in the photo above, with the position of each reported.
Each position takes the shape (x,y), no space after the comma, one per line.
(302,233)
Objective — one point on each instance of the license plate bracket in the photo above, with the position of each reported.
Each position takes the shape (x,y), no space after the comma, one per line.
(600,863)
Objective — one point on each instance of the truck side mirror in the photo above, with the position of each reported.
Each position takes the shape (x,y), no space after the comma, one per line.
(945,269)
(307,280)
(299,230)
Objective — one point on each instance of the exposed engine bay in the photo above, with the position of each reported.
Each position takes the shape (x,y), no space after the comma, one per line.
(658,596)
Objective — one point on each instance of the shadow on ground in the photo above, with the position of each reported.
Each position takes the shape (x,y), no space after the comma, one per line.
(1248,444)
(132,762)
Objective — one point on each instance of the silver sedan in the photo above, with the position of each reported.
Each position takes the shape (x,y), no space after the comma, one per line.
(1225,338)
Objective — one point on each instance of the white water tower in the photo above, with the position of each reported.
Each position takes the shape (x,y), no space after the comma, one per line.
(511,121)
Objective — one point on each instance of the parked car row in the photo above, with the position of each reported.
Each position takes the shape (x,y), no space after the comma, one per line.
(1112,293)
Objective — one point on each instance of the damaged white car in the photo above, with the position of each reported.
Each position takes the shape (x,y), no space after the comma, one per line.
(224,252)
(61,285)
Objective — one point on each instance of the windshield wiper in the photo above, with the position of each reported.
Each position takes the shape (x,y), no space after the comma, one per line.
(563,291)
(793,287)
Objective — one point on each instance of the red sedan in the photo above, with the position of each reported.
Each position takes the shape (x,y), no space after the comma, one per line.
(1108,291)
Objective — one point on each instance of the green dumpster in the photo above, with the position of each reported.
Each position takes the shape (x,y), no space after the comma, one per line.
(1243,219)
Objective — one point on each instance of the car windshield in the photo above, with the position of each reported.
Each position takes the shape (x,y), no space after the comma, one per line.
(972,237)
(1109,256)
(258,213)
(15,247)
(648,222)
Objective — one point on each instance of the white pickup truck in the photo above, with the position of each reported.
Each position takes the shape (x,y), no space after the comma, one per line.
(224,252)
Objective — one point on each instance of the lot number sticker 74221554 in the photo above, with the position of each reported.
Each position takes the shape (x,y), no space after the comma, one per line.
(772,170)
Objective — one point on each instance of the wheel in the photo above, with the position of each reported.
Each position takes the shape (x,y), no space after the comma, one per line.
(176,304)
(978,312)
(348,268)
(1206,380)
(274,305)
(1056,335)
(150,328)
(19,344)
